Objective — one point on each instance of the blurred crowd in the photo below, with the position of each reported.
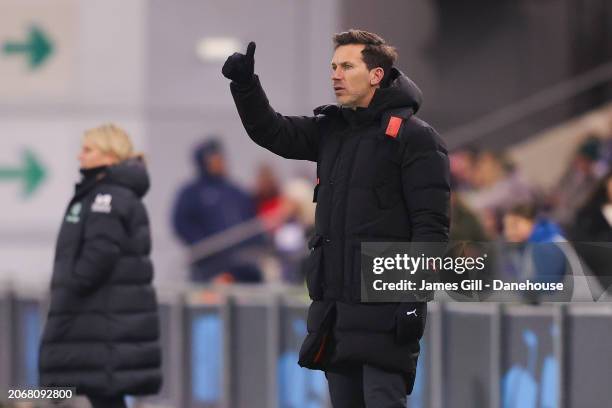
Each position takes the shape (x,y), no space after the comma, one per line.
(493,201)
(261,235)
(489,184)
(252,236)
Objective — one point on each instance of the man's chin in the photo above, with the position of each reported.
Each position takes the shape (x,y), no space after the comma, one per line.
(345,102)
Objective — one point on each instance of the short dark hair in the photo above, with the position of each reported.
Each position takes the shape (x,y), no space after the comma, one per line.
(525,210)
(377,53)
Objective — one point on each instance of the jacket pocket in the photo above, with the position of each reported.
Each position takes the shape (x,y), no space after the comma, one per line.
(388,195)
(313,267)
(410,320)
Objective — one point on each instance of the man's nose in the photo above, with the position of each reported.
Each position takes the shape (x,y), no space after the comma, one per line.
(336,74)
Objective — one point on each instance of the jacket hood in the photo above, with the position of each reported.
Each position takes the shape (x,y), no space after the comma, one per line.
(202,151)
(131,173)
(401,92)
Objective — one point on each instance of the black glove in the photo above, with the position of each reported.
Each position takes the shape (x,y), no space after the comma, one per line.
(239,67)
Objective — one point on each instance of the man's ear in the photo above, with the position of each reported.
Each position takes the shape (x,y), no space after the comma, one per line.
(376,76)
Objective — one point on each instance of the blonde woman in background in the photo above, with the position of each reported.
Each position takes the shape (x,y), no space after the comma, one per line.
(102,331)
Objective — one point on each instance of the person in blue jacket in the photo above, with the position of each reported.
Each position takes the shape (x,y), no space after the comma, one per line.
(541,247)
(209,205)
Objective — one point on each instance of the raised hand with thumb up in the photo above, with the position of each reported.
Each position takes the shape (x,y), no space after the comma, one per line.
(240,67)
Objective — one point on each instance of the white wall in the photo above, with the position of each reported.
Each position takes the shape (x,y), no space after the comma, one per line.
(134,63)
(94,75)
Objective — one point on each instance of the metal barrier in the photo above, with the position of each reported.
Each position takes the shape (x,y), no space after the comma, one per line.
(238,348)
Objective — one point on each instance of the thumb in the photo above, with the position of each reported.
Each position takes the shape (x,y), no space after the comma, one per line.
(250,53)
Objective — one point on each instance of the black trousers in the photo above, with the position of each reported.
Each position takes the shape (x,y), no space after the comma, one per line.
(367,387)
(105,402)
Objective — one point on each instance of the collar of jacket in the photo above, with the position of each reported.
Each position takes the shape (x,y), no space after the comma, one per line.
(358,116)
(131,173)
(90,177)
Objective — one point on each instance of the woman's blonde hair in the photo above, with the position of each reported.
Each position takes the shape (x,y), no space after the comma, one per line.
(111,139)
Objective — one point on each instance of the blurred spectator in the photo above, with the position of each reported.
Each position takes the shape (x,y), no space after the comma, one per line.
(537,256)
(299,191)
(290,239)
(498,187)
(580,178)
(592,225)
(465,225)
(462,168)
(267,191)
(466,236)
(289,223)
(208,206)
(489,169)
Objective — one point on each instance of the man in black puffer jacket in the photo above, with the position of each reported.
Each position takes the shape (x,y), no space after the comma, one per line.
(102,330)
(372,185)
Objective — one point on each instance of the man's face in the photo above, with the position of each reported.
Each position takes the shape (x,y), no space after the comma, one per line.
(215,164)
(354,84)
(517,228)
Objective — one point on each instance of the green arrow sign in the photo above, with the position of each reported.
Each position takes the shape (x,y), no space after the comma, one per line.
(32,173)
(37,47)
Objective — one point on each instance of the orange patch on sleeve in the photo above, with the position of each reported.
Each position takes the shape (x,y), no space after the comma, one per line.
(394,126)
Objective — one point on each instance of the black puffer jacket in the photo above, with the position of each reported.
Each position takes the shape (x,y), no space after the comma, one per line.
(102,331)
(370,187)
